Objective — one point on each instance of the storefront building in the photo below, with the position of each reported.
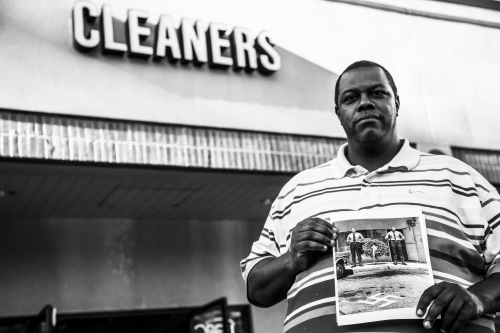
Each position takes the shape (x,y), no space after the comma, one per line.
(142,142)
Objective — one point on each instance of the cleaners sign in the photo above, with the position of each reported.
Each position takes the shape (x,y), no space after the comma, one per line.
(188,43)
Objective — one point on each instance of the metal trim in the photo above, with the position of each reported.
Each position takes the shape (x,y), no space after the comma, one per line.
(79,139)
(413,12)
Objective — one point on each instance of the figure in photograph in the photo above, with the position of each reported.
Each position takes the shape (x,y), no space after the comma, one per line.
(355,240)
(395,238)
(377,171)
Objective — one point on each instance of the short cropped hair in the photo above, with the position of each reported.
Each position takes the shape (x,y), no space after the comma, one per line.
(360,64)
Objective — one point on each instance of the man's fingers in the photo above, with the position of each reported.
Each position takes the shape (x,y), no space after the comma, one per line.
(323,230)
(335,231)
(322,222)
(316,226)
(440,303)
(312,246)
(321,226)
(427,297)
(450,314)
(315,236)
(462,318)
(314,230)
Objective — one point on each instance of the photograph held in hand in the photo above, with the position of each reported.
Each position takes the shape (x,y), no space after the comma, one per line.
(380,289)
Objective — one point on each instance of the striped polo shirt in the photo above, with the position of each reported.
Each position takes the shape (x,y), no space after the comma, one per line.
(462,212)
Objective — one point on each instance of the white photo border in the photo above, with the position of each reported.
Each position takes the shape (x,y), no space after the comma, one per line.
(404,313)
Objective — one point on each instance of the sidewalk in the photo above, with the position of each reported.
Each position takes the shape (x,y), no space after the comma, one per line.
(389,264)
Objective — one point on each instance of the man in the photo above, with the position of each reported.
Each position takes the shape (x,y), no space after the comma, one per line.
(395,238)
(377,171)
(354,240)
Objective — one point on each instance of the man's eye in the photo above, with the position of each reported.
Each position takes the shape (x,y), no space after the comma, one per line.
(349,98)
(379,93)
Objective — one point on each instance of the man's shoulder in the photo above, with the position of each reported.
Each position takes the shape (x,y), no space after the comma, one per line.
(428,158)
(456,168)
(444,161)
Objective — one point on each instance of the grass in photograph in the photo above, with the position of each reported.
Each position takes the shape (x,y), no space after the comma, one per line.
(386,287)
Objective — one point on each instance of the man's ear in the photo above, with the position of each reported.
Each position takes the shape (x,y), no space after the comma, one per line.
(337,112)
(397,105)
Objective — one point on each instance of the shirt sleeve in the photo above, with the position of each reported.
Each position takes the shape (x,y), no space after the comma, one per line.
(267,246)
(491,252)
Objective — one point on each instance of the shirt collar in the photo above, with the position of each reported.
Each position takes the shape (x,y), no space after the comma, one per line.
(406,159)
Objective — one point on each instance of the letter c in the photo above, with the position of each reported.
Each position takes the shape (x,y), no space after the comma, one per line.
(84,12)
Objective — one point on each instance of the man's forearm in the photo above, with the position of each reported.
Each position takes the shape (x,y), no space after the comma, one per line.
(488,292)
(270,280)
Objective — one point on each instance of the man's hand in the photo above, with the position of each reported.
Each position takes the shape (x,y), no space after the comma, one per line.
(310,237)
(455,304)
(271,278)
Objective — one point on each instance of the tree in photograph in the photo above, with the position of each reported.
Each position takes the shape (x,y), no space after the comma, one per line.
(381,249)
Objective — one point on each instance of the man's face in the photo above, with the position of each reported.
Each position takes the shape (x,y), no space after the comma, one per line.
(353,230)
(367,107)
(393,228)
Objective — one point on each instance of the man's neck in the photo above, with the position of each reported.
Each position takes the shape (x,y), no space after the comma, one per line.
(372,156)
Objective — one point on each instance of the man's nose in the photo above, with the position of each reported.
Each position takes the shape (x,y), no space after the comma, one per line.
(365,103)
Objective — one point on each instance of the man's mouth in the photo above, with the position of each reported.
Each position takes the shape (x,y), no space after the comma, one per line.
(366,118)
